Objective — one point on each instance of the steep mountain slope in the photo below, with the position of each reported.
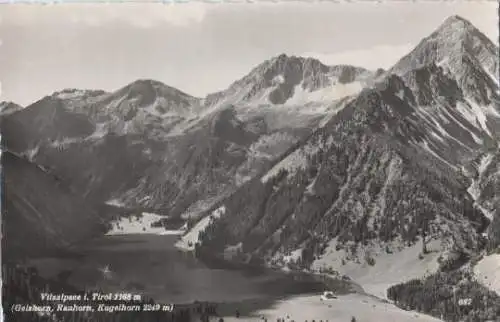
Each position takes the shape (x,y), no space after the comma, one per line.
(383,174)
(364,176)
(39,212)
(44,121)
(208,161)
(99,141)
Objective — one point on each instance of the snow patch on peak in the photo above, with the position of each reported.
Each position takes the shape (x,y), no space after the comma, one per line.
(70,94)
(279,79)
(330,93)
(73,93)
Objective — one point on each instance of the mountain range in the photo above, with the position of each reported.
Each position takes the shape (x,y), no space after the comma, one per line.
(389,167)
(307,159)
(119,142)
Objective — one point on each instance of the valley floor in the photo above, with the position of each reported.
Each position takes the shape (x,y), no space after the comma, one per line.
(342,309)
(365,308)
(388,270)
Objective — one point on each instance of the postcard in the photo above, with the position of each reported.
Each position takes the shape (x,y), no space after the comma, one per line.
(250,161)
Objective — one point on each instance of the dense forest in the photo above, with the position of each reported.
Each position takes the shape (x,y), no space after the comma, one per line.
(348,194)
(451,296)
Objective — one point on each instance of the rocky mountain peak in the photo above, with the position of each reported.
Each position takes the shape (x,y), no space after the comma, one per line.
(453,41)
(456,29)
(9,108)
(279,79)
(141,100)
(457,23)
(147,91)
(142,90)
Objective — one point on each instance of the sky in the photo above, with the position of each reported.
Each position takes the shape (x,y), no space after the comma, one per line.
(199,47)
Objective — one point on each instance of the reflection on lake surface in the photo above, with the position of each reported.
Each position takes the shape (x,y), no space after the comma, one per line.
(151,265)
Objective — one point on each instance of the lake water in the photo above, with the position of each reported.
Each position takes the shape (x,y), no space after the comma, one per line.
(151,265)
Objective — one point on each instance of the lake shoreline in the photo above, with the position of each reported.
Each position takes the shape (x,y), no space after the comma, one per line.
(332,283)
(143,225)
(284,296)
(137,262)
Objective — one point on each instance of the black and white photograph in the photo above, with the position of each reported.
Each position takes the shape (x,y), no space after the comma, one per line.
(247,161)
